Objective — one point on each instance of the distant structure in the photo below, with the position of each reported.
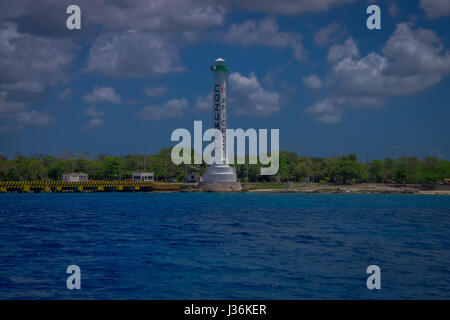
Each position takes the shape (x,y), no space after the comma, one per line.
(192,174)
(75,177)
(220,176)
(143,176)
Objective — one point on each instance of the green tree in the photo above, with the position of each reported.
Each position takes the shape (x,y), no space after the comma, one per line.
(401,173)
(428,177)
(348,170)
(376,171)
(110,168)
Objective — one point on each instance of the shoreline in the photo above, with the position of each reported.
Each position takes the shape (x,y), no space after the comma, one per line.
(432,192)
(255,187)
(328,189)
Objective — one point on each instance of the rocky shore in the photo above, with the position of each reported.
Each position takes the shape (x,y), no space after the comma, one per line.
(322,188)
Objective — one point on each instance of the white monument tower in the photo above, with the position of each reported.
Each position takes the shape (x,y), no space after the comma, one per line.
(220,176)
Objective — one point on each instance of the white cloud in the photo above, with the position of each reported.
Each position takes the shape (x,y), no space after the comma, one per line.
(161,15)
(435,8)
(156,15)
(413,60)
(290,7)
(9,109)
(348,49)
(103,95)
(312,82)
(204,103)
(264,33)
(92,111)
(96,117)
(132,53)
(33,118)
(329,34)
(156,91)
(95,123)
(24,86)
(29,64)
(325,111)
(248,97)
(416,52)
(171,109)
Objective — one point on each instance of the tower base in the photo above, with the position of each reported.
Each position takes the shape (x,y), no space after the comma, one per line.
(220,178)
(220,186)
(219,173)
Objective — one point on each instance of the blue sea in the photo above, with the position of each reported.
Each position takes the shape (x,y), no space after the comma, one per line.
(224,246)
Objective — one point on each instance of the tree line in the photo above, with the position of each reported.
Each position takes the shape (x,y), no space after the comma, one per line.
(345,169)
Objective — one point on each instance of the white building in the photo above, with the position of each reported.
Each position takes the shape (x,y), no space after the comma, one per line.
(192,174)
(75,177)
(143,176)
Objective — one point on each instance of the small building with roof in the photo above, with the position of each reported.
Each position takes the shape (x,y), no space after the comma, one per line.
(192,174)
(143,176)
(75,177)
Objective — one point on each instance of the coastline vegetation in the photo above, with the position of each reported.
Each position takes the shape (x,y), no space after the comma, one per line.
(345,169)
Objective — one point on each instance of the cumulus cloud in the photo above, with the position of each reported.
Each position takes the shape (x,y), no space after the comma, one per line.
(100,95)
(329,34)
(171,109)
(312,81)
(132,53)
(95,123)
(248,97)
(29,64)
(325,111)
(103,95)
(204,103)
(160,15)
(264,33)
(290,7)
(416,52)
(9,109)
(137,38)
(24,86)
(435,8)
(96,117)
(156,91)
(412,61)
(329,110)
(338,52)
(33,118)
(92,111)
(45,18)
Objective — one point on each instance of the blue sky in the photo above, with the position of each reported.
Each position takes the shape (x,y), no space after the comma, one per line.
(140,69)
